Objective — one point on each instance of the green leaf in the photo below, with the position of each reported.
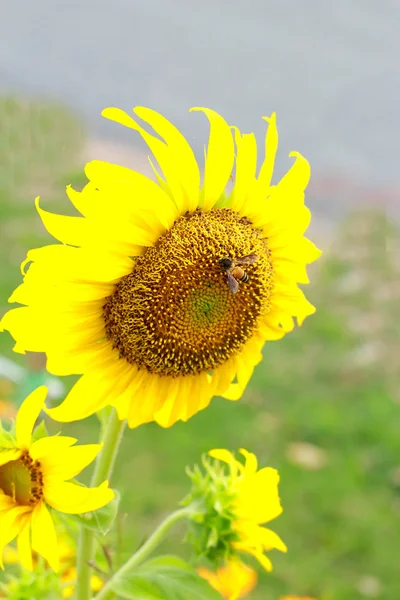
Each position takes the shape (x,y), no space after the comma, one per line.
(7,440)
(39,432)
(100,520)
(164,578)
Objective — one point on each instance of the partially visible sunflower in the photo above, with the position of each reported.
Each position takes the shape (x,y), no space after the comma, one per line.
(229,509)
(34,474)
(234,580)
(136,299)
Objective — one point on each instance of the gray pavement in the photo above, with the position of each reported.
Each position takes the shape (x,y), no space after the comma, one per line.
(329,68)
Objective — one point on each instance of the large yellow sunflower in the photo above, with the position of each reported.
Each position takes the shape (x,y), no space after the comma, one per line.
(137,297)
(35,474)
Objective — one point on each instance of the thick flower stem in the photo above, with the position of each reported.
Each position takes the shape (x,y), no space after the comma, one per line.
(103,469)
(144,551)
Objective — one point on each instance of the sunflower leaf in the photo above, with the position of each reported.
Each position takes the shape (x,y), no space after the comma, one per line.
(39,432)
(100,520)
(164,578)
(7,440)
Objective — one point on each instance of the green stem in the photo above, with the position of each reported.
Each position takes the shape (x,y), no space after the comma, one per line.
(144,551)
(103,469)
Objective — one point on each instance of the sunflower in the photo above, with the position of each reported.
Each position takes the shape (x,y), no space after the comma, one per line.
(140,298)
(234,580)
(229,509)
(34,474)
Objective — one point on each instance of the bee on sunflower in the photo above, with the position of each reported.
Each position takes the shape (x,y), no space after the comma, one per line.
(147,296)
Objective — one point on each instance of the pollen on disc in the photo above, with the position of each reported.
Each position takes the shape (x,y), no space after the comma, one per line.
(175,314)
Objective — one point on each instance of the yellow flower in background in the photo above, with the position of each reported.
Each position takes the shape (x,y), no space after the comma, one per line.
(140,297)
(34,474)
(69,577)
(229,509)
(233,581)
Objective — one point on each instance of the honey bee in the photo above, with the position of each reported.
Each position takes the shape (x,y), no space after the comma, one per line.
(236,273)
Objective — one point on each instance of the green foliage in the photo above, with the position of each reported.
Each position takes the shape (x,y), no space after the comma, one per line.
(100,520)
(42,584)
(211,530)
(7,437)
(164,578)
(330,387)
(39,432)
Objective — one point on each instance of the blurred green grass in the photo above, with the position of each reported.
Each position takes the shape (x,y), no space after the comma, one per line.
(320,407)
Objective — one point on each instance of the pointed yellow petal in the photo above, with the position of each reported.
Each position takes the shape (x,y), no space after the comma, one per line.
(271,147)
(92,392)
(271,540)
(69,230)
(28,414)
(259,498)
(66,465)
(49,446)
(10,526)
(180,151)
(6,456)
(251,461)
(24,543)
(222,455)
(136,194)
(24,326)
(220,158)
(44,537)
(74,499)
(246,164)
(160,151)
(297,177)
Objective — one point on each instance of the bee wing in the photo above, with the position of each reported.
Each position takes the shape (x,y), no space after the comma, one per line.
(247,260)
(233,283)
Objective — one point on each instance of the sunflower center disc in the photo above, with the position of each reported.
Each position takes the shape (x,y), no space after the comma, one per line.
(22,480)
(175,313)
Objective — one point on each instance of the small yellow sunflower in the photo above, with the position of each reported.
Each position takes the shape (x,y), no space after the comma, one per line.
(34,474)
(229,509)
(162,294)
(233,581)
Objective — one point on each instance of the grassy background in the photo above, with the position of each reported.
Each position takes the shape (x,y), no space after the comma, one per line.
(323,407)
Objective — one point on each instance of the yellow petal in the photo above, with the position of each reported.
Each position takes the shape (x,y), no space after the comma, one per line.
(24,326)
(69,230)
(136,194)
(271,147)
(180,151)
(259,499)
(246,164)
(74,499)
(44,537)
(24,543)
(91,392)
(222,455)
(220,158)
(66,465)
(297,177)
(251,461)
(6,456)
(10,526)
(28,414)
(271,540)
(160,151)
(49,446)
